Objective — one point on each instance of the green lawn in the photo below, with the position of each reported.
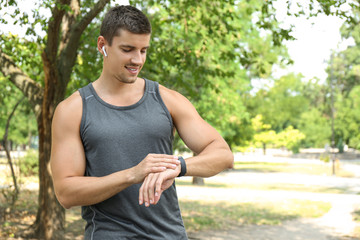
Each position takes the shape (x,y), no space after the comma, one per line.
(356,216)
(266,187)
(313,169)
(222,215)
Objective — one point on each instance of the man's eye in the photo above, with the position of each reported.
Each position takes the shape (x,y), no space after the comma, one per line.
(126,50)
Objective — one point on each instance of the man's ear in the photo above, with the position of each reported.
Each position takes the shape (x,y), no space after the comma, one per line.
(101,42)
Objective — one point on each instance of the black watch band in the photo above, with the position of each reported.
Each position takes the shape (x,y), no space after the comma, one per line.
(183,167)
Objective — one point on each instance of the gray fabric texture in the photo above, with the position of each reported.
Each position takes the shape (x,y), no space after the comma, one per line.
(117,138)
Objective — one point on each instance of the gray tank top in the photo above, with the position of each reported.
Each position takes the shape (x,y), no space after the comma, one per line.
(117,138)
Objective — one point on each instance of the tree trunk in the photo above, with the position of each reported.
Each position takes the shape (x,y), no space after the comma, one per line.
(50,218)
(198,181)
(264,148)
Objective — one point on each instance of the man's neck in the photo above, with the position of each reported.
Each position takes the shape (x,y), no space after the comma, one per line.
(118,93)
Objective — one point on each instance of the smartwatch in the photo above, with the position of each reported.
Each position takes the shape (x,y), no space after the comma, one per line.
(183,167)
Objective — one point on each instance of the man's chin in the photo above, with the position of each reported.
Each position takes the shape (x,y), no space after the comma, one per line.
(128,80)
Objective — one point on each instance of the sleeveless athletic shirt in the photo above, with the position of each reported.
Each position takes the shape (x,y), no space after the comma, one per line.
(117,138)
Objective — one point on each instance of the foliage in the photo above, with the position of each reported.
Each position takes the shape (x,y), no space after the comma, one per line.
(220,215)
(282,104)
(347,122)
(290,138)
(29,164)
(23,124)
(263,135)
(316,127)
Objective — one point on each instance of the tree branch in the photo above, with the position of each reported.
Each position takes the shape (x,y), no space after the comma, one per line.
(54,29)
(69,20)
(68,55)
(85,21)
(31,89)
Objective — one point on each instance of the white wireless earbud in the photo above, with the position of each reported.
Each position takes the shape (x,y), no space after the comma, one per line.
(103,48)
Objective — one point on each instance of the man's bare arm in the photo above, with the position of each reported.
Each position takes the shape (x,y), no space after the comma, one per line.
(212,153)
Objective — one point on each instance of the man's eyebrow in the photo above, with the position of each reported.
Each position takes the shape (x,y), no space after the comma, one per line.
(132,47)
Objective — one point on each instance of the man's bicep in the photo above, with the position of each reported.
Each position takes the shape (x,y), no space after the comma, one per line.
(196,133)
(67,154)
(192,128)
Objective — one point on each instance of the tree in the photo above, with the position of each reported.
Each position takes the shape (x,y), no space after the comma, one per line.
(4,141)
(347,122)
(58,49)
(263,135)
(316,127)
(282,104)
(290,138)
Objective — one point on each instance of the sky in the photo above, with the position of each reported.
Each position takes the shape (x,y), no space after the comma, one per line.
(315,39)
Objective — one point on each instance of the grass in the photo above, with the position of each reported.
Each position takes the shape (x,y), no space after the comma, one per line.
(265,187)
(196,215)
(312,169)
(20,217)
(356,216)
(222,215)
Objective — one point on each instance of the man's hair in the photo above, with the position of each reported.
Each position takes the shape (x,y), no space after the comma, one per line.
(124,17)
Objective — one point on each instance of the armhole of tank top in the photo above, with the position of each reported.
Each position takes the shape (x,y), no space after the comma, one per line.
(83,115)
(157,90)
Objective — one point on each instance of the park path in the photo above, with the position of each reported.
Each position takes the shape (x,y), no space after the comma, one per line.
(335,225)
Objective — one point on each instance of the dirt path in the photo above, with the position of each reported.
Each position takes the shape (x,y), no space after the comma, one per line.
(336,224)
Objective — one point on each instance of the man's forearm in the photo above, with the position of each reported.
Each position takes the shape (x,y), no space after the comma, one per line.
(213,159)
(84,190)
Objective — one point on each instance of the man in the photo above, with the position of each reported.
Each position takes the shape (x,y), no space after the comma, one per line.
(112,142)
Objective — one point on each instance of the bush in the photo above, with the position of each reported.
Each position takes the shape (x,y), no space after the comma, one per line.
(325,158)
(29,164)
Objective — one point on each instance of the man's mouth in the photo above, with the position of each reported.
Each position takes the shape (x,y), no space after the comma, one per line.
(132,69)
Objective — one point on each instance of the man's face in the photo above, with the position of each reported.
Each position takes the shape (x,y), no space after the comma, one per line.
(126,56)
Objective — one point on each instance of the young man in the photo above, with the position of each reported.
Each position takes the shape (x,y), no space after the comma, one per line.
(112,142)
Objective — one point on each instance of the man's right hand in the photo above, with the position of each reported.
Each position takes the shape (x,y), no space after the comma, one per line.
(154,163)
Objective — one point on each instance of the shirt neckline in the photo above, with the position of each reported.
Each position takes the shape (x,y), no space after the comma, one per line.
(120,107)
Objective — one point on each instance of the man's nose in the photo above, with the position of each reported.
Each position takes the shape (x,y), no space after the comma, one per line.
(136,58)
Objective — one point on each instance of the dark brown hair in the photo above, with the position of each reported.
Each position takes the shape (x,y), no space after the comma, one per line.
(124,17)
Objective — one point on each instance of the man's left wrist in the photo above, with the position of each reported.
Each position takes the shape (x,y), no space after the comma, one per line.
(182,167)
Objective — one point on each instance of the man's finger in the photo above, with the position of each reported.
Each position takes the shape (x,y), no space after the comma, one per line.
(151,187)
(158,190)
(145,190)
(141,194)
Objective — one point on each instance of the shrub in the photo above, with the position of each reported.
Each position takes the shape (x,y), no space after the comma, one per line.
(29,164)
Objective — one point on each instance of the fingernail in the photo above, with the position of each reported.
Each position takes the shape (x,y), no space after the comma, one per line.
(177,161)
(140,202)
(146,204)
(156,194)
(176,157)
(151,201)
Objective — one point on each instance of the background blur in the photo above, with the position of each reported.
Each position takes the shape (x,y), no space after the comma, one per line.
(280,80)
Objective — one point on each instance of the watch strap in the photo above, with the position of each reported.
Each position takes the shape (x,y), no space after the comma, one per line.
(183,167)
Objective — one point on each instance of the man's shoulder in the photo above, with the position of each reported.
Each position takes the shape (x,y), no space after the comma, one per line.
(168,93)
(174,101)
(70,108)
(73,101)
